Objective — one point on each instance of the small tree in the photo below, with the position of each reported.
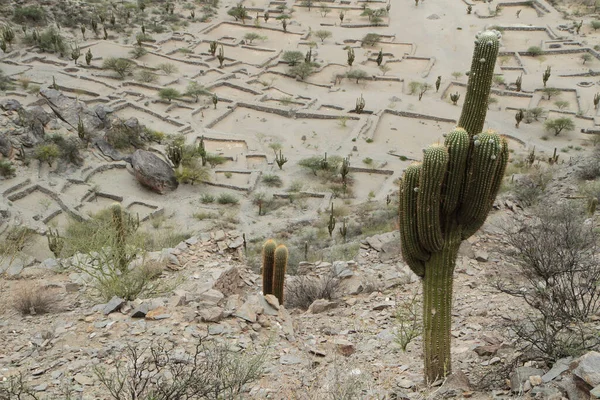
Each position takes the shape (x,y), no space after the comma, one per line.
(595,24)
(586,57)
(302,70)
(424,88)
(535,51)
(322,34)
(292,57)
(169,94)
(252,36)
(357,74)
(550,92)
(238,12)
(561,104)
(559,124)
(195,90)
(371,39)
(121,66)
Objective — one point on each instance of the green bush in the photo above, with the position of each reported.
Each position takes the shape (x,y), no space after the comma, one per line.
(535,51)
(227,198)
(292,57)
(371,39)
(207,198)
(29,14)
(7,169)
(121,66)
(5,82)
(272,180)
(69,148)
(121,137)
(47,152)
(168,94)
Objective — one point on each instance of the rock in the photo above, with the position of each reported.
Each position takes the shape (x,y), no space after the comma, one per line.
(558,368)
(321,305)
(132,123)
(520,376)
(587,368)
(83,380)
(266,306)
(41,387)
(595,393)
(5,146)
(113,305)
(486,350)
(383,305)
(246,312)
(272,300)
(535,380)
(289,359)
(140,311)
(481,255)
(235,243)
(157,314)
(153,172)
(344,347)
(546,393)
(71,110)
(466,250)
(10,105)
(455,385)
(211,314)
(102,112)
(211,296)
(230,282)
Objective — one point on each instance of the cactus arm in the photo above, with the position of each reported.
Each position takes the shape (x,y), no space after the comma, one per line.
(268,255)
(482,168)
(495,180)
(457,142)
(281,259)
(433,171)
(475,104)
(412,250)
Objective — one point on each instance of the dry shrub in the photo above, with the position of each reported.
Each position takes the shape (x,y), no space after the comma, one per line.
(302,291)
(32,300)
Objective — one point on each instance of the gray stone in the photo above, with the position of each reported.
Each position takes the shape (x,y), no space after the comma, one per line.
(587,368)
(153,172)
(481,255)
(71,110)
(140,311)
(83,380)
(211,314)
(558,368)
(266,306)
(595,392)
(321,305)
(215,329)
(15,268)
(212,296)
(41,387)
(520,376)
(246,312)
(113,305)
(466,249)
(10,104)
(289,359)
(235,243)
(5,146)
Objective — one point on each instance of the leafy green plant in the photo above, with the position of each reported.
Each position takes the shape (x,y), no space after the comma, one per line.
(169,94)
(558,125)
(272,180)
(47,153)
(121,66)
(292,57)
(227,198)
(7,169)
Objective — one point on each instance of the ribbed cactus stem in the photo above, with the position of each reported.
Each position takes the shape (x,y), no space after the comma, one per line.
(412,250)
(120,236)
(437,308)
(446,199)
(281,259)
(429,200)
(480,80)
(268,256)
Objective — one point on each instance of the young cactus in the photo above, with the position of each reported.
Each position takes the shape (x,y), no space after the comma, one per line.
(221,56)
(55,242)
(546,75)
(281,259)
(438,82)
(350,56)
(596,100)
(446,198)
(519,117)
(379,59)
(331,223)
(519,82)
(212,48)
(268,255)
(280,159)
(360,105)
(592,205)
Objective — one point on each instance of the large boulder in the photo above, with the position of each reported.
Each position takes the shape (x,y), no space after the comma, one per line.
(153,172)
(70,110)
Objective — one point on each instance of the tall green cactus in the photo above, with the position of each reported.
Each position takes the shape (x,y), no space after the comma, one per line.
(281,259)
(446,198)
(268,255)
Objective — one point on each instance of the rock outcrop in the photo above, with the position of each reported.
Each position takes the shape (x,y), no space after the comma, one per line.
(71,110)
(153,172)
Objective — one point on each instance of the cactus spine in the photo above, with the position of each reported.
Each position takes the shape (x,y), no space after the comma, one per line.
(268,254)
(281,259)
(446,198)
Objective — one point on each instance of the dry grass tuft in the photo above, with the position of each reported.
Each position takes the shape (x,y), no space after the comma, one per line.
(34,300)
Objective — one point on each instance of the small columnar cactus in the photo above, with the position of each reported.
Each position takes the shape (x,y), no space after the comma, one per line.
(596,100)
(268,255)
(281,259)
(55,242)
(454,97)
(350,56)
(175,154)
(445,199)
(331,223)
(546,75)
(221,56)
(519,82)
(519,117)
